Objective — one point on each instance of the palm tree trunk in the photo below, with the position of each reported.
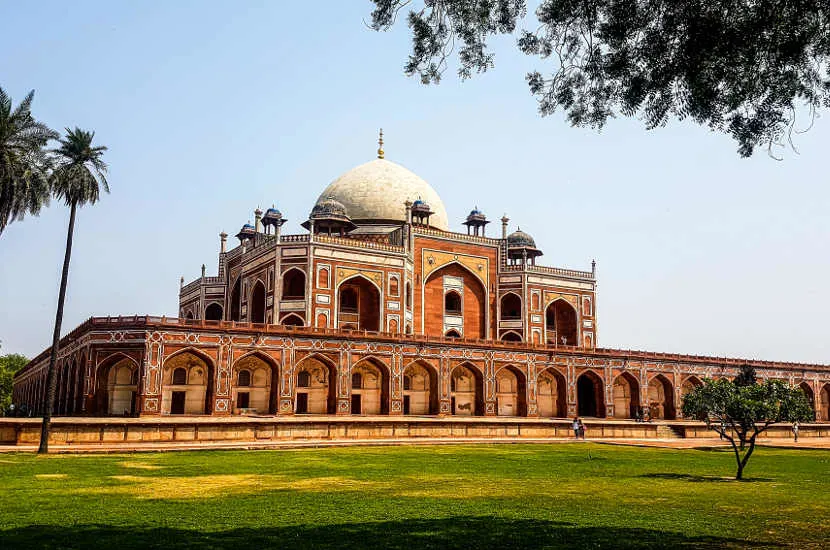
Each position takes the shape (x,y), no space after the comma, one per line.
(52,374)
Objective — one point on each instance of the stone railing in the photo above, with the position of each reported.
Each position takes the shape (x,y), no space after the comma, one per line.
(573,273)
(430,232)
(342,241)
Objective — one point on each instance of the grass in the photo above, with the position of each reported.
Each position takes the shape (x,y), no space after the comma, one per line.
(516,496)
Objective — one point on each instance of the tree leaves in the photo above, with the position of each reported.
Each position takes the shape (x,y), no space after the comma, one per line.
(747,68)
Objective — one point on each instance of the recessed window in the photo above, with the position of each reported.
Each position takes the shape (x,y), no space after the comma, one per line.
(452,303)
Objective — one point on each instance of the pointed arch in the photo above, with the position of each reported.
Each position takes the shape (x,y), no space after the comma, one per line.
(267,399)
(467,390)
(292,320)
(511,336)
(235,305)
(824,403)
(661,398)
(197,395)
(551,393)
(103,394)
(808,393)
(452,333)
(372,393)
(315,385)
(474,296)
(293,284)
(213,312)
(420,388)
(626,396)
(590,397)
(511,391)
(359,303)
(561,322)
(256,303)
(510,305)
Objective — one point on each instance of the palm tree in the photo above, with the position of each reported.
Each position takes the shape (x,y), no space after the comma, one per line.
(24,186)
(77,178)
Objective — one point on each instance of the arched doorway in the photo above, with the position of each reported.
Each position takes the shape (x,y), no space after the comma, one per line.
(116,387)
(292,320)
(255,382)
(315,383)
(808,393)
(257,304)
(511,336)
(511,307)
(661,398)
(626,395)
(689,383)
(551,397)
(187,384)
(589,395)
(511,392)
(236,300)
(824,403)
(560,323)
(420,389)
(213,312)
(358,304)
(467,391)
(370,388)
(456,278)
(293,284)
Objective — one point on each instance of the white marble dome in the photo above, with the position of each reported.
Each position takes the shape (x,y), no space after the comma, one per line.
(376,191)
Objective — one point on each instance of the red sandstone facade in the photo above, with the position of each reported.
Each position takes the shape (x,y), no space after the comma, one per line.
(378,309)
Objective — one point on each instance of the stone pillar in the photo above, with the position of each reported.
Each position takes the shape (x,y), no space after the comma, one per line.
(444,397)
(504,220)
(344,385)
(223,242)
(530,390)
(490,405)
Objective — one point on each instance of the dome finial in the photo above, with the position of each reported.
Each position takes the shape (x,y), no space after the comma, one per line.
(380,144)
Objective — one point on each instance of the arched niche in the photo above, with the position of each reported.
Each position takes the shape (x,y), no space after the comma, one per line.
(473,296)
(626,395)
(420,389)
(213,312)
(561,323)
(256,307)
(315,386)
(511,392)
(293,284)
(358,304)
(255,383)
(370,387)
(551,394)
(192,394)
(467,391)
(661,398)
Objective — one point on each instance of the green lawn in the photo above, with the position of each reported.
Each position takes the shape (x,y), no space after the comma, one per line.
(516,496)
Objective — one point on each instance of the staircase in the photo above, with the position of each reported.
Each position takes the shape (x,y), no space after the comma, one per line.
(665,431)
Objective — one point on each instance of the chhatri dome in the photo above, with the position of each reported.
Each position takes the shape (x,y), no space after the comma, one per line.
(375,192)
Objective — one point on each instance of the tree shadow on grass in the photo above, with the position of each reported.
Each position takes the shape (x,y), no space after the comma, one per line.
(709,479)
(448,533)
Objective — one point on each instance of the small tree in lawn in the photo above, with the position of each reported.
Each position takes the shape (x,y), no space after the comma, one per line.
(741,410)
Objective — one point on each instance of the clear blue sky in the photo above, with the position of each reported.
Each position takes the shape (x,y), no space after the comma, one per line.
(212,108)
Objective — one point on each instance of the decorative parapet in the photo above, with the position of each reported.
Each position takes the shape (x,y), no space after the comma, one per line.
(430,232)
(558,271)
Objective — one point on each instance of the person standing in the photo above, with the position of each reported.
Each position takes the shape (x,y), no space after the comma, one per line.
(795,431)
(581,428)
(576,424)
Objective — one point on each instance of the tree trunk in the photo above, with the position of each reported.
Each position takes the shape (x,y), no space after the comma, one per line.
(52,374)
